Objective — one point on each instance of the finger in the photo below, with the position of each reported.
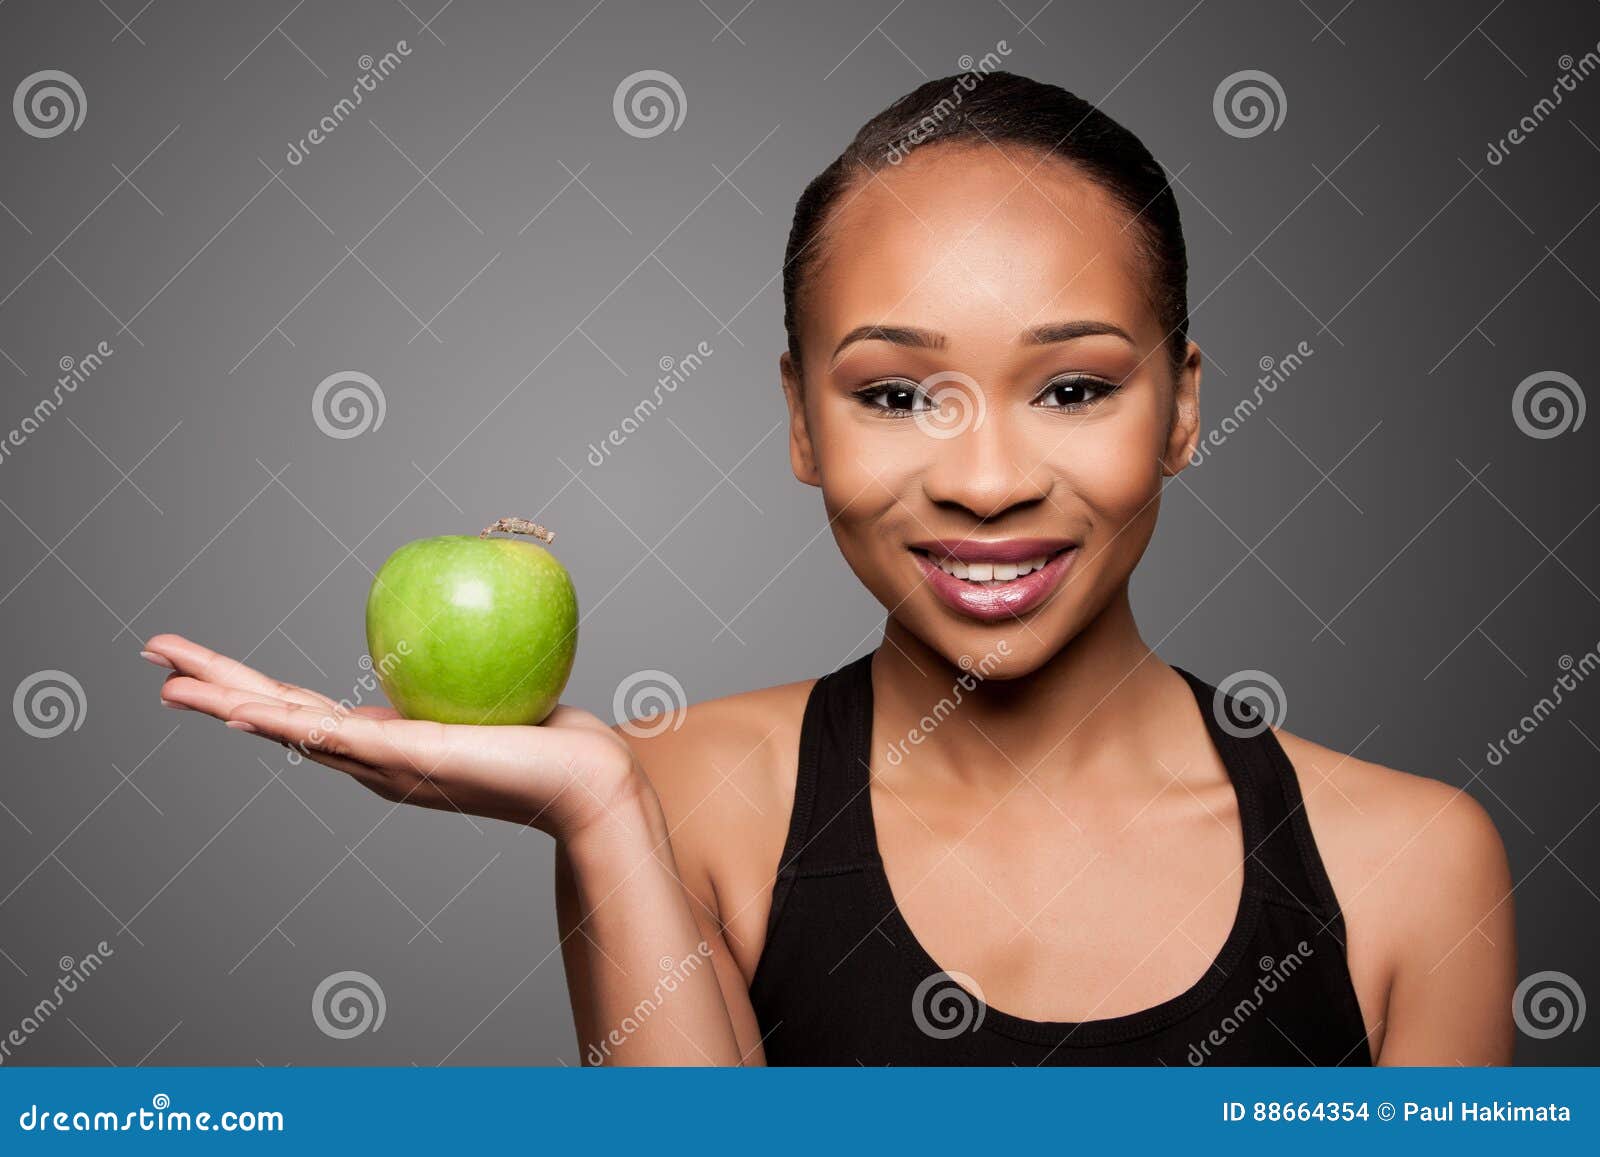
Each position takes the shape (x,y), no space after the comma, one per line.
(399,744)
(190,658)
(375,712)
(212,698)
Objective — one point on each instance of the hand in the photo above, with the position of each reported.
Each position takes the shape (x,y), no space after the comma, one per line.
(563,776)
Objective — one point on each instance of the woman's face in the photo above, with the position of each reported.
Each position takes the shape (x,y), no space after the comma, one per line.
(988,403)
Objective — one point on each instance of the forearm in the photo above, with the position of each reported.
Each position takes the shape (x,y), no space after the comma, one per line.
(642,984)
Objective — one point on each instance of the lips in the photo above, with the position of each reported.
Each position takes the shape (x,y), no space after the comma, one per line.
(993,581)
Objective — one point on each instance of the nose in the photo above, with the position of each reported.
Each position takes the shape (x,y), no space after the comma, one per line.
(983,463)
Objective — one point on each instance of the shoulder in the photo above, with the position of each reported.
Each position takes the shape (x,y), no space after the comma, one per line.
(724,771)
(1421,875)
(1414,858)
(1388,820)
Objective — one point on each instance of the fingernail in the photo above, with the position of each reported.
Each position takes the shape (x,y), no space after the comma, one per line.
(174,706)
(158,660)
(241,725)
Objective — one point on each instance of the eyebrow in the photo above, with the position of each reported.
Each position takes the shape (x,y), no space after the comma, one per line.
(914,338)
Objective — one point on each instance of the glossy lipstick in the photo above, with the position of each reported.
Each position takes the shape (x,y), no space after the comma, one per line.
(989,598)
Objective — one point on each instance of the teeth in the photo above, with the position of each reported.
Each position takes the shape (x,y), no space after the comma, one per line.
(982,572)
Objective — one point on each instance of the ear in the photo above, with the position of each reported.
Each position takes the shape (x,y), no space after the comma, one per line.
(802,459)
(1184,436)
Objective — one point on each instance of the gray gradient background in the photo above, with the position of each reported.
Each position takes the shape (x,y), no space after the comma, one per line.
(1381,536)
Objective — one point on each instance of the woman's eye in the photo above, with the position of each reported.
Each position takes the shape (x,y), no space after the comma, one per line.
(904,397)
(1073,393)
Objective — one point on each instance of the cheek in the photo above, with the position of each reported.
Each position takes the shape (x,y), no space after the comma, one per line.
(1113,466)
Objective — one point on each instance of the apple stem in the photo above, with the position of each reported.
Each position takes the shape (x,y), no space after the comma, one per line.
(518,526)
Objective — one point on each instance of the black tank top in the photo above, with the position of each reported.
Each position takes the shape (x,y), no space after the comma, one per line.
(842,980)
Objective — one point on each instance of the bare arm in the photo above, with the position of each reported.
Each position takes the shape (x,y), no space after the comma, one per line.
(611,1023)
(1450,1000)
(636,954)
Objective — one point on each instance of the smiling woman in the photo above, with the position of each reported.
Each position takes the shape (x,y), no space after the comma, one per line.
(1010,834)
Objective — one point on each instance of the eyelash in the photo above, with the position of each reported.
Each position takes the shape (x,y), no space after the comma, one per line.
(1101,389)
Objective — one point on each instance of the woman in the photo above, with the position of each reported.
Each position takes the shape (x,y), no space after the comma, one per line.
(1011,834)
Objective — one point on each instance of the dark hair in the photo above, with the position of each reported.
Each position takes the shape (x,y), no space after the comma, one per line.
(1002,108)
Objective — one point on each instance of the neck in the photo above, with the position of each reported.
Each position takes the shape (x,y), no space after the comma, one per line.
(1093,698)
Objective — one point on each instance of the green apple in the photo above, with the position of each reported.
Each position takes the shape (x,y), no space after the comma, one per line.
(473,629)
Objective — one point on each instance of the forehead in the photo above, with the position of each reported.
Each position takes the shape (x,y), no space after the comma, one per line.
(962,238)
